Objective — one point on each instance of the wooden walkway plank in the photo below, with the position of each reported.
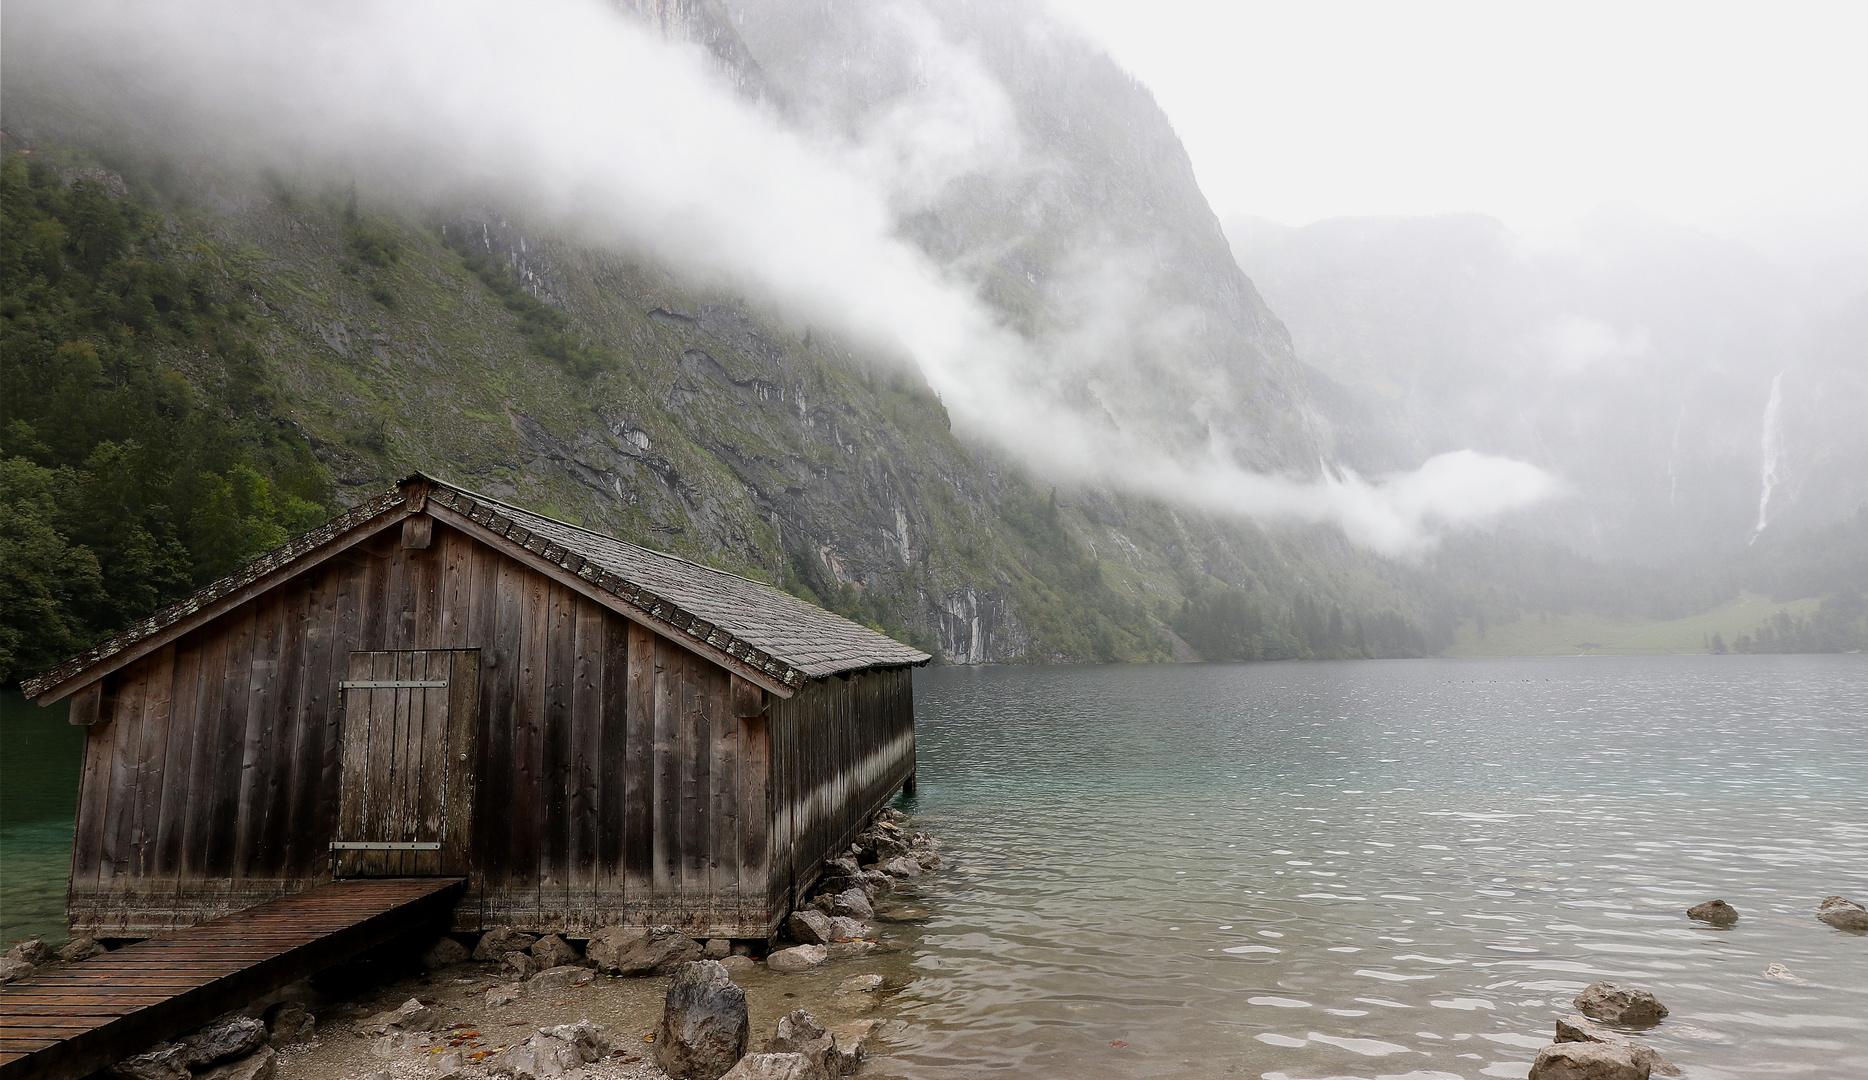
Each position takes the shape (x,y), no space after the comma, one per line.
(81,1017)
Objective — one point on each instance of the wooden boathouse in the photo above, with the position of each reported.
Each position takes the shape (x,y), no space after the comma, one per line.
(436,683)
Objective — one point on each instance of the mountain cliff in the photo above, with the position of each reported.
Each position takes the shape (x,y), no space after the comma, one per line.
(342,337)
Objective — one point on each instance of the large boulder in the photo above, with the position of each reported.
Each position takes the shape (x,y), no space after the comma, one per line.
(552,951)
(517,966)
(1582,1029)
(1843,914)
(1587,1061)
(259,1065)
(1615,1005)
(901,866)
(497,942)
(224,1039)
(810,927)
(616,951)
(12,970)
(797,958)
(1716,912)
(445,952)
(704,1024)
(32,951)
(800,1033)
(852,903)
(163,1061)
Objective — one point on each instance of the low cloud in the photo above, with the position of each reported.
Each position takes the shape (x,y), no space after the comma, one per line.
(586,121)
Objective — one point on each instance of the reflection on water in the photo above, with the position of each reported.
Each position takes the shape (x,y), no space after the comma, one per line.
(39,757)
(1385,868)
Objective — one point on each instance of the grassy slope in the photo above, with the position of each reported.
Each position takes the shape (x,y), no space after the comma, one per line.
(1598,635)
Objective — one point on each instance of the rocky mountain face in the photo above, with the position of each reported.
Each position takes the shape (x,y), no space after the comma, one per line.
(614,391)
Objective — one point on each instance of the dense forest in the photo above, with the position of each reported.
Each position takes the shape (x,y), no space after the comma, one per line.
(141,451)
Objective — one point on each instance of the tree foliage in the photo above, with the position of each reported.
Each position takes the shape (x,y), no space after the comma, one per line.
(140,456)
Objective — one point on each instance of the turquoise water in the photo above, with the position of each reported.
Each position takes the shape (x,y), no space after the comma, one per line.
(40,754)
(1384,869)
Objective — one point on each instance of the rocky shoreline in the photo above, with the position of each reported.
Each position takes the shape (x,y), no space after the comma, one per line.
(510,1005)
(647,1004)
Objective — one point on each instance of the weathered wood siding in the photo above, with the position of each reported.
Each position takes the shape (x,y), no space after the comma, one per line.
(841,748)
(211,782)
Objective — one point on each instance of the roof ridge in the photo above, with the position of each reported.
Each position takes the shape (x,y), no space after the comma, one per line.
(478,496)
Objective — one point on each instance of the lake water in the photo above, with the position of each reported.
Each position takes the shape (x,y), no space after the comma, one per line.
(1384,869)
(1378,869)
(40,754)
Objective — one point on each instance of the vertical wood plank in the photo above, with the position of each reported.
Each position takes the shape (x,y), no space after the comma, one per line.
(555,778)
(667,798)
(257,743)
(316,729)
(222,799)
(184,722)
(586,760)
(528,744)
(463,727)
(755,822)
(640,761)
(611,769)
(125,737)
(354,791)
(696,787)
(723,792)
(152,747)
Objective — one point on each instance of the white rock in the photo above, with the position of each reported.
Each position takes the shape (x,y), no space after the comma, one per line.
(798,958)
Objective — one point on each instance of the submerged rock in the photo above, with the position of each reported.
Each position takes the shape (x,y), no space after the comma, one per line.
(704,1026)
(1587,1061)
(1615,1005)
(1582,1029)
(800,1033)
(1716,912)
(1843,914)
(563,977)
(1784,974)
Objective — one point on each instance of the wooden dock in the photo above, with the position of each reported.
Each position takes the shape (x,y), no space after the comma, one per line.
(81,1017)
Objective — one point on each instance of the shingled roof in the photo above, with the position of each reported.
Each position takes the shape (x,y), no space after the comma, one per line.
(788,639)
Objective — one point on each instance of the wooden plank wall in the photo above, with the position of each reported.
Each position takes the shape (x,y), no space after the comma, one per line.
(841,748)
(236,802)
(620,777)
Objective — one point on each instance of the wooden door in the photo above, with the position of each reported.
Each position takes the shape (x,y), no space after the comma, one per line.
(406,802)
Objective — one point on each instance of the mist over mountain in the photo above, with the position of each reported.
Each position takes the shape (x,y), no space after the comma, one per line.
(1692,394)
(915,309)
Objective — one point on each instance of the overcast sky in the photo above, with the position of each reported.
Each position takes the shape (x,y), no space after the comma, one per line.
(1747,119)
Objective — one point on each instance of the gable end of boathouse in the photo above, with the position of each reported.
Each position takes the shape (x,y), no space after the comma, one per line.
(437,683)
